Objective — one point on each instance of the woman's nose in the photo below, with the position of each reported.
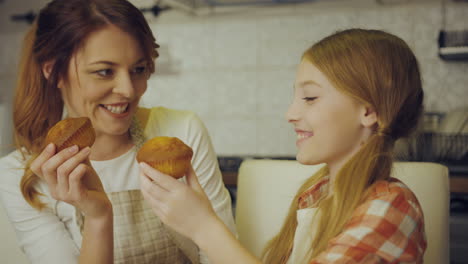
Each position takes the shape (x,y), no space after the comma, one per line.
(124,86)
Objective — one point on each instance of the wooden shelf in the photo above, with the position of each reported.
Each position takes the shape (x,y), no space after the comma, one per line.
(230,178)
(459,184)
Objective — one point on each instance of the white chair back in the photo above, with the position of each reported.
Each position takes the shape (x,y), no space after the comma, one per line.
(266,187)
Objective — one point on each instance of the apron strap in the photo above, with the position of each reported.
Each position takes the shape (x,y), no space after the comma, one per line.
(142,115)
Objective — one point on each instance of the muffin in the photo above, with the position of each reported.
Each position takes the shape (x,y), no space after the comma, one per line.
(76,131)
(168,155)
(71,131)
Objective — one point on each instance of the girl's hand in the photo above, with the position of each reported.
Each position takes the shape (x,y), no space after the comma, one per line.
(64,173)
(183,207)
(186,209)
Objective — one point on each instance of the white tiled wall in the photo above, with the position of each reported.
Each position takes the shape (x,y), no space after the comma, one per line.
(236,68)
(6,129)
(236,71)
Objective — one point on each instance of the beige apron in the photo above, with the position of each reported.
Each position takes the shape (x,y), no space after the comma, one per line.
(141,238)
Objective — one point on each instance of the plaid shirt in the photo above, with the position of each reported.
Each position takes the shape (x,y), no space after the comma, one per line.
(388,227)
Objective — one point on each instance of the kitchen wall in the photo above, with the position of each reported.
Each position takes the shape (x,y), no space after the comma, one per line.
(235,67)
(7,79)
(236,70)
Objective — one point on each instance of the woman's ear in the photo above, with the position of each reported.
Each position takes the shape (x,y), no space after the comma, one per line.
(47,70)
(369,117)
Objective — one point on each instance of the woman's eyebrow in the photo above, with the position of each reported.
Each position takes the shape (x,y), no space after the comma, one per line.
(139,61)
(113,63)
(103,62)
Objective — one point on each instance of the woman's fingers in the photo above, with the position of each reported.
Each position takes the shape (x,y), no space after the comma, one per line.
(70,164)
(49,168)
(64,171)
(75,182)
(62,187)
(45,155)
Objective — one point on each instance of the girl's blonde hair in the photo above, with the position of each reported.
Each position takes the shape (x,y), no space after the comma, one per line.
(60,30)
(379,70)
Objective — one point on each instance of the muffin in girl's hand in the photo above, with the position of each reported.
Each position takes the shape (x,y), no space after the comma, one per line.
(76,131)
(168,155)
(71,131)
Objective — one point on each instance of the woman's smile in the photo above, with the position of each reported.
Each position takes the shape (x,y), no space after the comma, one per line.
(119,110)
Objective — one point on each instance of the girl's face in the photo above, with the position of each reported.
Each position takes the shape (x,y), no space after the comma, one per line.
(330,125)
(106,80)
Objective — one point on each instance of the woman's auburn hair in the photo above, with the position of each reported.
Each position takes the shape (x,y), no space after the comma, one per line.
(379,70)
(60,30)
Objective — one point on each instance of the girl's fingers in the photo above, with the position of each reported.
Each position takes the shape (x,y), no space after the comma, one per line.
(154,195)
(192,179)
(45,155)
(154,203)
(151,189)
(165,181)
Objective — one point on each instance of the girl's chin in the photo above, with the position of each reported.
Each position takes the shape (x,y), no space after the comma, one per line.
(307,159)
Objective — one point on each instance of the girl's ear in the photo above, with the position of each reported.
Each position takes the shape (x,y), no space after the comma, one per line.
(369,117)
(47,68)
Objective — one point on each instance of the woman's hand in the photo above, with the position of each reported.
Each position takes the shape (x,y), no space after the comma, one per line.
(64,173)
(183,207)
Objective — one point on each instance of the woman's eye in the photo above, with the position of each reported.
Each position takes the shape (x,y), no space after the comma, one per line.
(139,70)
(309,99)
(104,73)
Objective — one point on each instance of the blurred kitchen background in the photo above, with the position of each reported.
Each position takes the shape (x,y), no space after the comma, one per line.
(233,62)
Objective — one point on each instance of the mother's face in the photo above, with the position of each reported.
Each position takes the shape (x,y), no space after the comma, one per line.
(106,79)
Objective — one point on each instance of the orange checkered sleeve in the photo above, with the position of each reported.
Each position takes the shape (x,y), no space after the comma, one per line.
(388,227)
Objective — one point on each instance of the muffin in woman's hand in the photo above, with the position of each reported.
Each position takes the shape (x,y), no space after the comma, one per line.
(71,131)
(168,155)
(75,131)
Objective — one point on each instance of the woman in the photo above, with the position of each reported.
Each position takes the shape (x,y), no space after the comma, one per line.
(93,58)
(356,92)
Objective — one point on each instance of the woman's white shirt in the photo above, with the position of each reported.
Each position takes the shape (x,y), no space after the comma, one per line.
(53,236)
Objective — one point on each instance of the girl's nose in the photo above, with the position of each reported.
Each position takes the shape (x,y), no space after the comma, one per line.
(292,114)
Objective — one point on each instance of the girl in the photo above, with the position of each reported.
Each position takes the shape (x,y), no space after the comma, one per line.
(356,92)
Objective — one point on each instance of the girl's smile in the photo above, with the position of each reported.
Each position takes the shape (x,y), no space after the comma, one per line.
(302,136)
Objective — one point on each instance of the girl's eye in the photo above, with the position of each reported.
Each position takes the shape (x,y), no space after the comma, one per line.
(309,99)
(104,73)
(139,70)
